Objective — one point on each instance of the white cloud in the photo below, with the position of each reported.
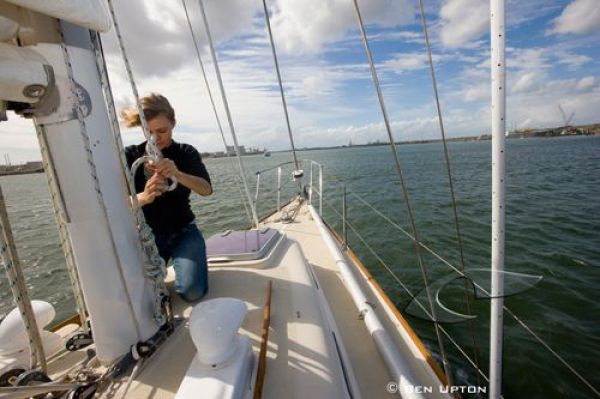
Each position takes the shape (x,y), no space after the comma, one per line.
(580,16)
(525,82)
(157,37)
(463,21)
(17,132)
(332,102)
(539,106)
(305,26)
(316,83)
(407,61)
(530,59)
(587,83)
(477,93)
(457,123)
(18,140)
(574,61)
(523,12)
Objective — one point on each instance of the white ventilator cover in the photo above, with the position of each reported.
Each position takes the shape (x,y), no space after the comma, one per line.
(13,335)
(52,343)
(214,326)
(8,29)
(224,364)
(19,68)
(91,14)
(233,381)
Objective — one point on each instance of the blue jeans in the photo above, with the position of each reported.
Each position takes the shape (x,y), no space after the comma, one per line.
(187,249)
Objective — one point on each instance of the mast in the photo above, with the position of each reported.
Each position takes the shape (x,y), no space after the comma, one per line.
(498,68)
(75,130)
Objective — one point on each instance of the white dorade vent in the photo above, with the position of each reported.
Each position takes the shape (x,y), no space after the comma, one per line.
(214,329)
(224,364)
(14,342)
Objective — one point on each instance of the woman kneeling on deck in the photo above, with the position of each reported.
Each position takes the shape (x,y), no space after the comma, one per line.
(168,212)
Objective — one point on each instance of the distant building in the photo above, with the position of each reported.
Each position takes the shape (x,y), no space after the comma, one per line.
(36,165)
(231,149)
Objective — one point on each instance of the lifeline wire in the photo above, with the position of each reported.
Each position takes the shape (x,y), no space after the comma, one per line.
(408,291)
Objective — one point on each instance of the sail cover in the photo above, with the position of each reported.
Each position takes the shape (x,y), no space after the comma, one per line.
(91,14)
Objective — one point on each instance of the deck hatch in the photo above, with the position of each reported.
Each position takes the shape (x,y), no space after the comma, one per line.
(241,245)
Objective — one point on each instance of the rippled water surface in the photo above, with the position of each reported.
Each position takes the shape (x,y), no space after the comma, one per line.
(553,230)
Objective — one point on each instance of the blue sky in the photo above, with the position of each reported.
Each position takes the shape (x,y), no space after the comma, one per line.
(553,58)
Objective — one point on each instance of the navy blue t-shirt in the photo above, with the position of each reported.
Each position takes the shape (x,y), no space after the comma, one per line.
(171,211)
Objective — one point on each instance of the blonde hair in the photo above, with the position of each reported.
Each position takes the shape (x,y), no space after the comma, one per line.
(153,106)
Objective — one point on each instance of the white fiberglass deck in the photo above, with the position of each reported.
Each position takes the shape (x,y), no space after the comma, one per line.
(301,360)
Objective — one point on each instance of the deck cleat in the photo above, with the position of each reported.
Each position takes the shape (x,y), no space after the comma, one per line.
(78,341)
(9,378)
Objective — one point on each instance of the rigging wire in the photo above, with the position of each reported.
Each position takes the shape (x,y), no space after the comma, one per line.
(212,102)
(422,266)
(18,286)
(283,101)
(152,147)
(154,154)
(228,113)
(450,181)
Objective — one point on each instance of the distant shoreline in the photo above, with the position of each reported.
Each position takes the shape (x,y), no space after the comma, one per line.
(568,131)
(28,172)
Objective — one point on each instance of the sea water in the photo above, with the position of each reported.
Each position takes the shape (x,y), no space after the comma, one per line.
(552,230)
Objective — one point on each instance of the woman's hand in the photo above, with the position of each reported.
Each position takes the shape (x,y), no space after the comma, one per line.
(166,168)
(155,186)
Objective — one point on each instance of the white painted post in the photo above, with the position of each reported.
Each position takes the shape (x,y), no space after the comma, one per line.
(321,190)
(278,189)
(257,188)
(498,67)
(311,186)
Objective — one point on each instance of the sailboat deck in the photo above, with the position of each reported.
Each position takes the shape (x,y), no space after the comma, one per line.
(299,361)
